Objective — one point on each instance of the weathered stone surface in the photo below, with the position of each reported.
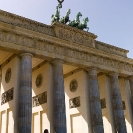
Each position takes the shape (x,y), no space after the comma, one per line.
(25,96)
(22,22)
(96,113)
(68,50)
(117,104)
(59,97)
(7,96)
(131,86)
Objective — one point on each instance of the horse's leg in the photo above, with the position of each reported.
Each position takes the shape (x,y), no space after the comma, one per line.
(87,29)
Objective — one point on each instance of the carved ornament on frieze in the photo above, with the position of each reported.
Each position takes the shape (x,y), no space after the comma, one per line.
(110,49)
(74,35)
(77,53)
(25,23)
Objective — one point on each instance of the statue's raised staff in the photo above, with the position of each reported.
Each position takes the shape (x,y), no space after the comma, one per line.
(83,25)
(76,21)
(65,19)
(56,17)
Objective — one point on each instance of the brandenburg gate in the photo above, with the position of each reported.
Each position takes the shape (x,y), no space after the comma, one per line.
(59,77)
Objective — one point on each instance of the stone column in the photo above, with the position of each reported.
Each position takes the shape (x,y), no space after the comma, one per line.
(16,94)
(25,95)
(95,106)
(117,104)
(0,82)
(131,87)
(59,97)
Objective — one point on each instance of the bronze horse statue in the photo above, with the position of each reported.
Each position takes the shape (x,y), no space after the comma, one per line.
(65,19)
(83,25)
(56,17)
(76,21)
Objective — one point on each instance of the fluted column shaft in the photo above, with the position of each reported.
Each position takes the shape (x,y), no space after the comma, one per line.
(117,104)
(59,97)
(0,83)
(131,86)
(25,96)
(95,106)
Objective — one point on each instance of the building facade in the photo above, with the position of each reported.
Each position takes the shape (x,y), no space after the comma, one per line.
(62,79)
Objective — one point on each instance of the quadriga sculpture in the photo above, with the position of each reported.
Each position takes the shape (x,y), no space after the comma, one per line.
(56,17)
(65,19)
(83,25)
(76,21)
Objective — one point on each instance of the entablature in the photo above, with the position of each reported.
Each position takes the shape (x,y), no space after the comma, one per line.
(62,31)
(83,53)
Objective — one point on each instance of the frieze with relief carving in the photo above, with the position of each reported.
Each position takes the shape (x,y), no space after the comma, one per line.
(74,102)
(83,55)
(111,49)
(39,99)
(74,35)
(25,23)
(7,96)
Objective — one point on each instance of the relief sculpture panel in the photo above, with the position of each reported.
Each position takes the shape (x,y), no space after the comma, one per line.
(7,96)
(74,102)
(103,103)
(39,99)
(75,37)
(25,23)
(76,53)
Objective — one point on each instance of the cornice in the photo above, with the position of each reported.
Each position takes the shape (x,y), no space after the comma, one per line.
(110,48)
(26,23)
(63,43)
(20,39)
(82,32)
(29,24)
(75,35)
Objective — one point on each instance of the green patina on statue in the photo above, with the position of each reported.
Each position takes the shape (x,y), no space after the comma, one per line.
(83,25)
(56,17)
(75,23)
(65,19)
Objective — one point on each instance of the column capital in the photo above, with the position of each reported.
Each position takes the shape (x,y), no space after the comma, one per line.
(91,68)
(113,74)
(24,54)
(56,61)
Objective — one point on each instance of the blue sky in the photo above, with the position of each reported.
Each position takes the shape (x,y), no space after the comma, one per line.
(110,20)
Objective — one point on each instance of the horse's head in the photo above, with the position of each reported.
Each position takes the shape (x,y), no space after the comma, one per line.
(86,19)
(52,16)
(69,11)
(56,7)
(79,14)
